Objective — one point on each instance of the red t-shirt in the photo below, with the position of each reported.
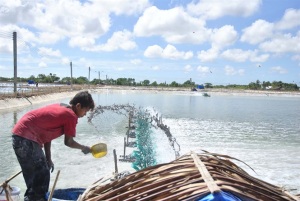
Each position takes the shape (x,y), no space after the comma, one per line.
(47,123)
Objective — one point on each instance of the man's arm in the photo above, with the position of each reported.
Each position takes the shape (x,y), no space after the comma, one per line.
(70,142)
(47,148)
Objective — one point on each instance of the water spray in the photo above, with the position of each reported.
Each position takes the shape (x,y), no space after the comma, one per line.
(140,129)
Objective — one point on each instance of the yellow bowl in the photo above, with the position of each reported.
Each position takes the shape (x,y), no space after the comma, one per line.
(99,150)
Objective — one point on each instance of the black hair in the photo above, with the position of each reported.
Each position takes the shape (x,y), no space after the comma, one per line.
(84,98)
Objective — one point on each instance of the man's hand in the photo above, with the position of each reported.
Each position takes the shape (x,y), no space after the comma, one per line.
(50,165)
(86,150)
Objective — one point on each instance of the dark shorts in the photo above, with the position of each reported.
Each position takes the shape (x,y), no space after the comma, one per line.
(34,167)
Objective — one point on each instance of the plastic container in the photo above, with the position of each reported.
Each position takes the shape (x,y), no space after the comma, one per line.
(66,194)
(99,150)
(15,194)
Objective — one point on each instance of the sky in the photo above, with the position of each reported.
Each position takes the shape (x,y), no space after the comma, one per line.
(206,41)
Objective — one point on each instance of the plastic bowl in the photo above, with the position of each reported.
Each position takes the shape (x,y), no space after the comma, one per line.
(99,150)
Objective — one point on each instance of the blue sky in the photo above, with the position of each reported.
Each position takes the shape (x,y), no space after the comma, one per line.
(208,41)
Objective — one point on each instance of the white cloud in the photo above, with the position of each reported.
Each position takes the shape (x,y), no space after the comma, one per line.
(70,26)
(155,68)
(173,25)
(203,69)
(187,68)
(25,39)
(153,51)
(259,31)
(229,70)
(49,52)
(28,40)
(278,69)
(2,67)
(49,38)
(239,55)
(129,7)
(120,69)
(68,18)
(291,19)
(241,71)
(209,9)
(282,44)
(136,61)
(42,64)
(58,19)
(254,57)
(223,36)
(65,60)
(120,40)
(81,41)
(296,57)
(5,46)
(208,55)
(83,60)
(169,52)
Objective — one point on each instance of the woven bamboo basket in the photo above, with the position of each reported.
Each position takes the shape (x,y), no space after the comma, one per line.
(190,177)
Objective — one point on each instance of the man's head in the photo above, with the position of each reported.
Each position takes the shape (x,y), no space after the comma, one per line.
(83,102)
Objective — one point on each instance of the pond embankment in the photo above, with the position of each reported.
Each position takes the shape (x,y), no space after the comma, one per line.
(11,103)
(52,95)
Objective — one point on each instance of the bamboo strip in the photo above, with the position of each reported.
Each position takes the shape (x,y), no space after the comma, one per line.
(182,180)
(212,186)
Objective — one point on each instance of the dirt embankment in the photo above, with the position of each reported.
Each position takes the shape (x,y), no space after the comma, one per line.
(10,103)
(50,95)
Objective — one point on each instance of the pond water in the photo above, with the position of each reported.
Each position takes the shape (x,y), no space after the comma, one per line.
(262,131)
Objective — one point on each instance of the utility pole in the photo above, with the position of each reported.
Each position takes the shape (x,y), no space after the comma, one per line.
(15,60)
(99,77)
(71,75)
(89,75)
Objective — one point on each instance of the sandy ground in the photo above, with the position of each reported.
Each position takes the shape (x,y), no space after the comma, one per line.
(12,103)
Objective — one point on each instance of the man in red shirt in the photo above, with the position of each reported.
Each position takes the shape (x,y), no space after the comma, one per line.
(36,129)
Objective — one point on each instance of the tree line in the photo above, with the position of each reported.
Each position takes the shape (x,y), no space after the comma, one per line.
(53,78)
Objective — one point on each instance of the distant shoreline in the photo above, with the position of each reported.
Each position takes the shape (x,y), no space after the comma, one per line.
(211,91)
(12,103)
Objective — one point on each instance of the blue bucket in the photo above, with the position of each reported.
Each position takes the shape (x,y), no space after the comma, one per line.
(66,194)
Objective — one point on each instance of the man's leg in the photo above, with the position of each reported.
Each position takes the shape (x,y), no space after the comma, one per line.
(34,167)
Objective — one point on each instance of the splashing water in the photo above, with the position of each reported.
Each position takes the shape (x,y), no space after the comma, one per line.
(118,109)
(145,153)
(143,122)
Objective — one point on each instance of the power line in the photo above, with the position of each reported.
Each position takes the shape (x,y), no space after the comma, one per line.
(6,34)
(28,45)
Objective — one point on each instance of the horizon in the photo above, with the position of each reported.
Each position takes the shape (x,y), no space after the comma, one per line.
(220,42)
(195,83)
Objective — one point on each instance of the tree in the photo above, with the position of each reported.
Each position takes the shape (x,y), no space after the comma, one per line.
(32,77)
(277,85)
(208,85)
(131,81)
(81,80)
(189,83)
(66,80)
(258,86)
(266,84)
(174,84)
(154,84)
(163,84)
(55,78)
(145,82)
(252,86)
(41,77)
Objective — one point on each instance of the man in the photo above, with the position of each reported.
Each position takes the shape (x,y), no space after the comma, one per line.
(36,129)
